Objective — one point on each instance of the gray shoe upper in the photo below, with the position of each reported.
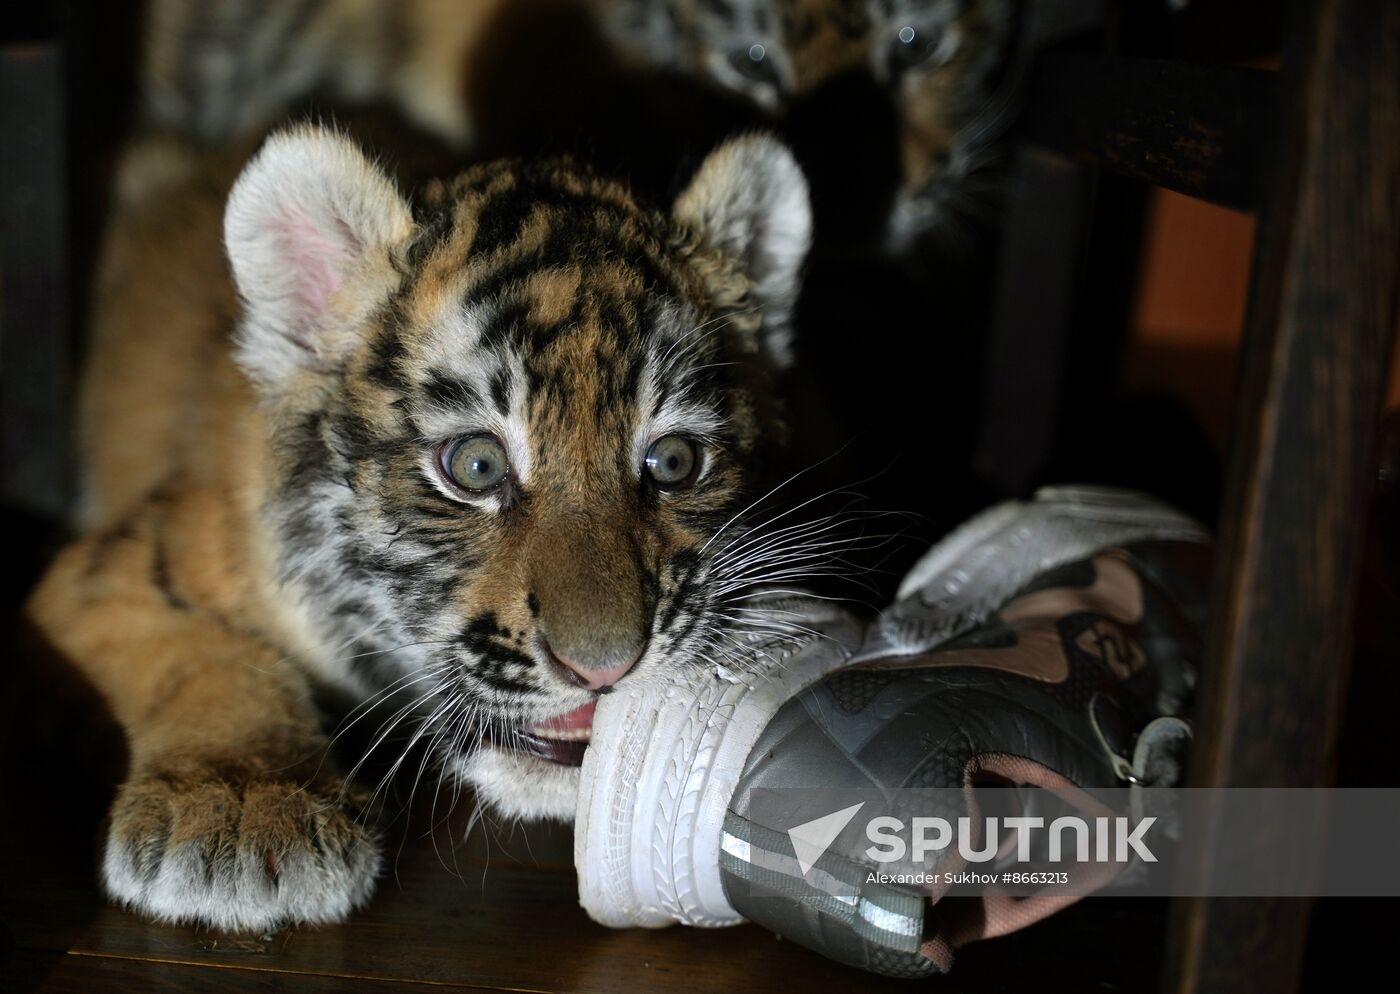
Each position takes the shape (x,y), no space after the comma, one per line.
(1039,649)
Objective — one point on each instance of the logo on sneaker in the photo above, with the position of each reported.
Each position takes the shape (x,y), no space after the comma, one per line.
(811,839)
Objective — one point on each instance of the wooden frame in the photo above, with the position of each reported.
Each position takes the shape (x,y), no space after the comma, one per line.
(1315,149)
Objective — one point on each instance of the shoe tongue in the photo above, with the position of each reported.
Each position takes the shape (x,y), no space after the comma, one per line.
(665,758)
(977,567)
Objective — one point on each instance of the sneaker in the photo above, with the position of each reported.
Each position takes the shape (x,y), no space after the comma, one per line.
(1045,643)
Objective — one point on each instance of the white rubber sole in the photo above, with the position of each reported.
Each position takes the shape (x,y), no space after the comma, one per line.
(662,766)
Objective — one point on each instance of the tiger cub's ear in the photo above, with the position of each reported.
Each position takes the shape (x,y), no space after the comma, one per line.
(309,227)
(749,201)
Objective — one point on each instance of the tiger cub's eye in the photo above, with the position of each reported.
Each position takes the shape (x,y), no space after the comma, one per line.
(477,463)
(673,462)
(754,63)
(912,47)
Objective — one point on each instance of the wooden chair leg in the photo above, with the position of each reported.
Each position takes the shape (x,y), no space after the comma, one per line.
(1032,327)
(1321,319)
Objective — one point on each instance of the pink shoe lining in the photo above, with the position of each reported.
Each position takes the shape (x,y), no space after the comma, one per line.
(968,919)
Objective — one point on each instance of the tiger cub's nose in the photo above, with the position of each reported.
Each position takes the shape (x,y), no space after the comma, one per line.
(593,677)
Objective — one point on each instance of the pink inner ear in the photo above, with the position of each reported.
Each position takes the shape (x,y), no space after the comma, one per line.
(315,256)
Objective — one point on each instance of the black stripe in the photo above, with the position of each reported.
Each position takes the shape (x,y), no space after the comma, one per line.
(160,573)
(445,390)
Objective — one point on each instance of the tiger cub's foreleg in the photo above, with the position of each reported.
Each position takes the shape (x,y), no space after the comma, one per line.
(230,814)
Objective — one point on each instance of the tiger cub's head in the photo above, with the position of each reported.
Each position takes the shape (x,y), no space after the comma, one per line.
(514,425)
(935,62)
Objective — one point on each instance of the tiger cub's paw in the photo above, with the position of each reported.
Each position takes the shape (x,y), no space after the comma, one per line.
(238,854)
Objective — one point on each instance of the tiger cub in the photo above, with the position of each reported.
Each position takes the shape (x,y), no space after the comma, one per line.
(214,69)
(937,62)
(488,446)
(457,68)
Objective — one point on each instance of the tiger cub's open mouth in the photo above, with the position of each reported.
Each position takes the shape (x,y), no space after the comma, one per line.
(561,739)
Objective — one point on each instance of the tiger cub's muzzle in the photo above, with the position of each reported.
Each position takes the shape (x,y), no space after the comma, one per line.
(592,601)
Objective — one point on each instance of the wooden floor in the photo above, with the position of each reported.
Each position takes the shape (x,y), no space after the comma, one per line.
(485,917)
